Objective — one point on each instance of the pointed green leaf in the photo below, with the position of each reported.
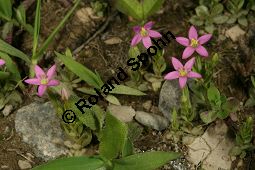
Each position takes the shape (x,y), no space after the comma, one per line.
(72,163)
(80,70)
(112,99)
(151,6)
(130,8)
(145,161)
(122,89)
(6,8)
(113,137)
(7,48)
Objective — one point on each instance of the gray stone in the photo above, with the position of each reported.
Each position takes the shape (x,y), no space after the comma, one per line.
(123,113)
(39,126)
(151,120)
(169,97)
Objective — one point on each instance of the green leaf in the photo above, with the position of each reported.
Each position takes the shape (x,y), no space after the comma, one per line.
(145,161)
(72,163)
(128,148)
(222,114)
(210,28)
(220,19)
(11,67)
(122,89)
(195,20)
(113,137)
(6,29)
(7,48)
(6,9)
(208,116)
(243,21)
(112,99)
(232,20)
(80,70)
(130,8)
(151,6)
(21,14)
(235,151)
(202,11)
(87,90)
(217,9)
(133,52)
(213,94)
(4,75)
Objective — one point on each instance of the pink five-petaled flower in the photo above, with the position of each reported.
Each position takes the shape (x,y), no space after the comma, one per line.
(43,80)
(2,62)
(194,43)
(182,72)
(144,34)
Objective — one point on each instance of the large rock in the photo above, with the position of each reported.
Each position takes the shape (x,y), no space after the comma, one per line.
(212,148)
(38,125)
(169,97)
(151,120)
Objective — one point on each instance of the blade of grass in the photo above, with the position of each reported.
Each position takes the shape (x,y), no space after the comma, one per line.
(55,31)
(37,25)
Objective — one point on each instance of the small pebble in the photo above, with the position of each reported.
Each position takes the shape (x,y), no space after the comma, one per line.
(24,164)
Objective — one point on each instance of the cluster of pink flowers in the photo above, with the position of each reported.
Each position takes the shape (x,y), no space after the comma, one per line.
(192,44)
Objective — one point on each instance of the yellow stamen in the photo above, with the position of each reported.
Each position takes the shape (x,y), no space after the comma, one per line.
(194,43)
(183,72)
(143,32)
(44,81)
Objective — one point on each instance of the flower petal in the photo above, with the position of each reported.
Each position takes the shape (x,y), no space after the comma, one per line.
(183,41)
(41,90)
(182,81)
(187,52)
(34,81)
(192,74)
(51,72)
(202,51)
(176,63)
(53,83)
(39,72)
(147,42)
(137,38)
(203,39)
(172,75)
(154,34)
(188,66)
(148,25)
(2,62)
(192,33)
(137,29)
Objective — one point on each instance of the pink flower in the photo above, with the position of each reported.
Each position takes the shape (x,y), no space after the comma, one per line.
(144,34)
(194,43)
(182,72)
(2,62)
(43,80)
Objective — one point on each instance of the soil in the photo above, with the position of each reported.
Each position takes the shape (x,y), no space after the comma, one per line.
(96,55)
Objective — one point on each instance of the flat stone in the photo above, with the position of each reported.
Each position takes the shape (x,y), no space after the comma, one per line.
(212,148)
(234,33)
(38,125)
(123,113)
(169,97)
(151,120)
